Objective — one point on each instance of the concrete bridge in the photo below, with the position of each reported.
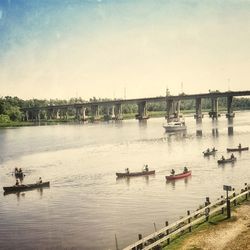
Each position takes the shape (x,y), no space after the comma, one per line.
(113,108)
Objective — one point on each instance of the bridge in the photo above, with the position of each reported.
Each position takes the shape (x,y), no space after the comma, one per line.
(113,108)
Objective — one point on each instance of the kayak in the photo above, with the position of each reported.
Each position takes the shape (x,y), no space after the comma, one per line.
(227,160)
(236,149)
(19,188)
(120,175)
(178,176)
(205,153)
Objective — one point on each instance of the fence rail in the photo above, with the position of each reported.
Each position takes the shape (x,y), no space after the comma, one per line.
(164,234)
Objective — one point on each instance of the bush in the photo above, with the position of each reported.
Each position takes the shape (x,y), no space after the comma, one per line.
(4,119)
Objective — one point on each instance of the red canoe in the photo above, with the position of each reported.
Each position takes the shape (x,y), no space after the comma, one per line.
(178,176)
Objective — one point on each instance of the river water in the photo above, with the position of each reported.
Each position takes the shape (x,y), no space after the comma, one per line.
(86,205)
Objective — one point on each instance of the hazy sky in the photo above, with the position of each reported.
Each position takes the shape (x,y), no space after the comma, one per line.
(69,48)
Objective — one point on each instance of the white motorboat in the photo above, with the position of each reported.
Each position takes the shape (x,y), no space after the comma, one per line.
(175,126)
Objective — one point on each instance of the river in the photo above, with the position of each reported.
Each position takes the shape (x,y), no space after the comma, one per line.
(86,205)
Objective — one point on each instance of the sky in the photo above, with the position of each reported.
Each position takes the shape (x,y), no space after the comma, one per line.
(122,49)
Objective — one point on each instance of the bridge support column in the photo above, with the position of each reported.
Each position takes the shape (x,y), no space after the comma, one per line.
(113,112)
(214,106)
(27,117)
(95,112)
(55,114)
(118,111)
(142,111)
(49,114)
(78,113)
(198,112)
(63,113)
(38,115)
(173,110)
(230,113)
(106,115)
(84,116)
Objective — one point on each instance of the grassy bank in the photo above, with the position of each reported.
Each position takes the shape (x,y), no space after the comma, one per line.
(179,241)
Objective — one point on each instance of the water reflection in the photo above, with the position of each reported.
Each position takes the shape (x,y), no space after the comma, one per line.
(143,123)
(173,182)
(215,132)
(222,166)
(198,127)
(40,191)
(230,127)
(127,180)
(198,132)
(177,135)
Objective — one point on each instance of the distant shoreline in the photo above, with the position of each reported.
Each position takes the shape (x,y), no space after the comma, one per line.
(152,114)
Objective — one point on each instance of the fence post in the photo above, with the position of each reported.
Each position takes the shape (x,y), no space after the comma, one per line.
(234,194)
(189,221)
(116,243)
(207,210)
(222,202)
(246,188)
(167,232)
(139,247)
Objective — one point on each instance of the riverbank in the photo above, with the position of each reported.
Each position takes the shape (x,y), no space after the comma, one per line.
(152,114)
(219,233)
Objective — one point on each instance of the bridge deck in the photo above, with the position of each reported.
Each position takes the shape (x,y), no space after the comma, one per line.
(138,100)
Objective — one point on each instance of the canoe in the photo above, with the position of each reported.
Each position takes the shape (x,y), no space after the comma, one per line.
(237,149)
(205,153)
(20,188)
(120,175)
(227,160)
(178,176)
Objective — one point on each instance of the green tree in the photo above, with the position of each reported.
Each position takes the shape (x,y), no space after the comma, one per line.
(4,118)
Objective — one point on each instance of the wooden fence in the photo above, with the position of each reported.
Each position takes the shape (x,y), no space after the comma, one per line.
(154,240)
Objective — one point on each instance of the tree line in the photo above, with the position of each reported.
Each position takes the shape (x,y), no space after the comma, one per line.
(10,107)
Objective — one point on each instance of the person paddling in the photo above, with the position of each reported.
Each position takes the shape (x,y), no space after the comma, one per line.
(172,172)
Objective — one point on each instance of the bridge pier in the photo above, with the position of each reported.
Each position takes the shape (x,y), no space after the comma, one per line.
(198,111)
(118,111)
(27,116)
(214,106)
(38,115)
(106,115)
(64,113)
(49,114)
(95,112)
(230,113)
(142,111)
(84,116)
(78,113)
(173,110)
(55,114)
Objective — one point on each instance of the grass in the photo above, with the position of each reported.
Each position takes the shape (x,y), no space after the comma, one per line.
(177,241)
